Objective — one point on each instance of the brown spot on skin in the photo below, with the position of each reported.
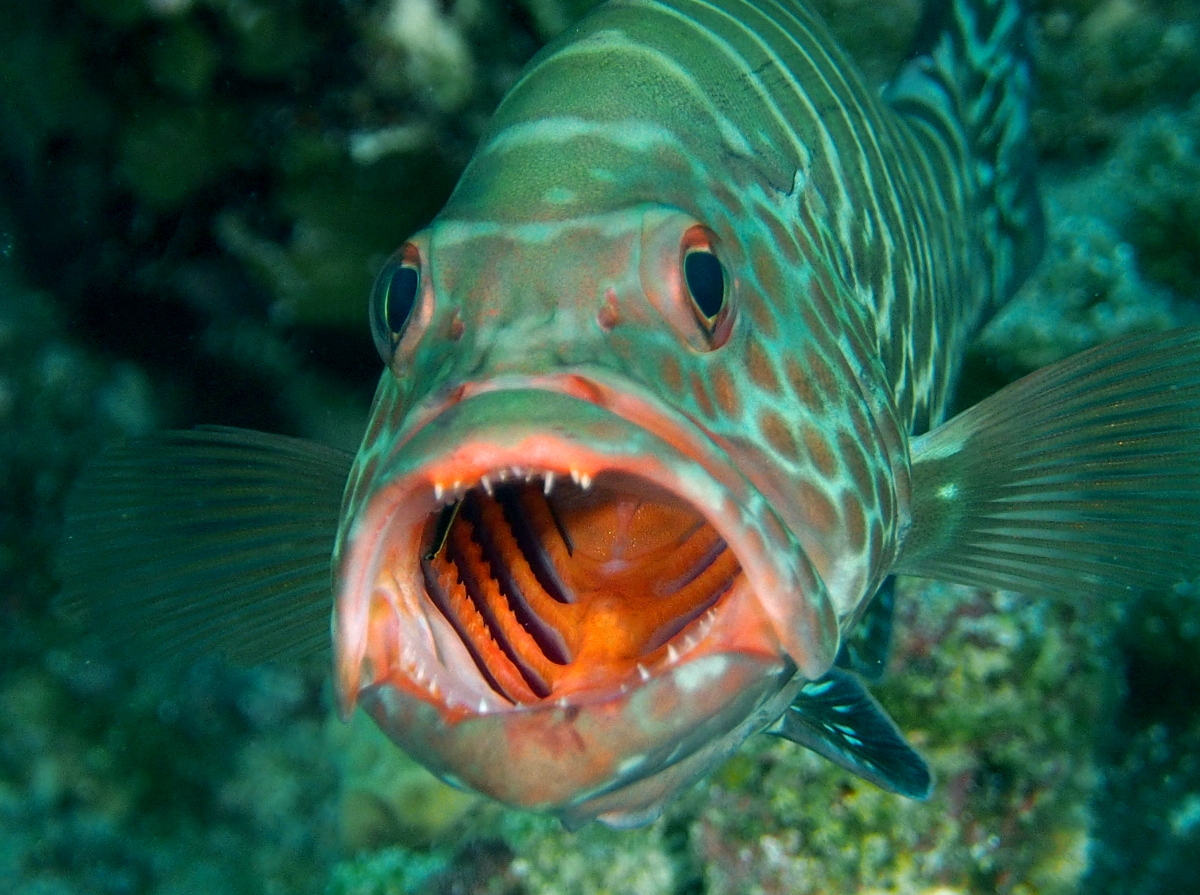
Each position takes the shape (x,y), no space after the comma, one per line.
(779,436)
(822,375)
(725,196)
(812,322)
(864,432)
(884,494)
(785,241)
(361,483)
(775,531)
(760,367)
(700,393)
(825,294)
(818,509)
(609,314)
(378,417)
(726,394)
(856,521)
(762,315)
(875,543)
(820,453)
(671,374)
(804,387)
(855,462)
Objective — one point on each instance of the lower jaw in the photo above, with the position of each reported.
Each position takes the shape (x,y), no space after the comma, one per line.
(603,755)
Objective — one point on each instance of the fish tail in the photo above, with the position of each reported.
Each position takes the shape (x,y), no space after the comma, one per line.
(1081,479)
(969,88)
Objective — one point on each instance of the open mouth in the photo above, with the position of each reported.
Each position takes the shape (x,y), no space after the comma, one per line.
(560,585)
(528,551)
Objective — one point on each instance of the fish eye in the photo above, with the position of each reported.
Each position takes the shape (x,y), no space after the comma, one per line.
(394,300)
(705,279)
(704,286)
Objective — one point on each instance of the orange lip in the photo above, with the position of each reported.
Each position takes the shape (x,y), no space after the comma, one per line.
(536,563)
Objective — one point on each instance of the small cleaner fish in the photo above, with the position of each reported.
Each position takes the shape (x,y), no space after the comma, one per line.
(662,414)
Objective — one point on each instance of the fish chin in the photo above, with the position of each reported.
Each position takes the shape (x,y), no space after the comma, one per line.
(546,603)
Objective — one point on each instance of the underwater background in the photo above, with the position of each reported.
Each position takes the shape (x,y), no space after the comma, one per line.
(194,198)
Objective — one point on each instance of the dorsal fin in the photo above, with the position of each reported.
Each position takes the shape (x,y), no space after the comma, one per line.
(969,86)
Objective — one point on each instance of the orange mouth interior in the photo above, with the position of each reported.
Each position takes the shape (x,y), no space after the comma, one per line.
(574,589)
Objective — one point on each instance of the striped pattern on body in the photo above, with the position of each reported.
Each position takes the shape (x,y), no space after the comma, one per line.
(734,108)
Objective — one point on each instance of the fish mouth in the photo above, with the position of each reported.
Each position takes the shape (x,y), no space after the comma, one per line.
(548,597)
(562,586)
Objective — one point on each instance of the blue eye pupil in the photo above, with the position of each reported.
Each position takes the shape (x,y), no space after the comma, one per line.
(705,282)
(401,298)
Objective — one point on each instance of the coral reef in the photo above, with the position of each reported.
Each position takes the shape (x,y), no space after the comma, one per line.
(196,196)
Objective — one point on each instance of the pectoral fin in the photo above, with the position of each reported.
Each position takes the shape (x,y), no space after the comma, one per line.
(210,540)
(865,649)
(1081,479)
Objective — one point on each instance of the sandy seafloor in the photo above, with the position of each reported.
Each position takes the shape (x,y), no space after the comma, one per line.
(194,197)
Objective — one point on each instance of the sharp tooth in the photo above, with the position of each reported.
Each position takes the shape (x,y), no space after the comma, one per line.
(642,672)
(483,706)
(548,483)
(528,476)
(585,481)
(672,653)
(502,475)
(487,484)
(438,491)
(457,487)
(575,475)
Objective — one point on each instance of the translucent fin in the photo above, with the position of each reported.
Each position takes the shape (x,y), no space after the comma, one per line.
(1082,478)
(838,719)
(210,540)
(865,650)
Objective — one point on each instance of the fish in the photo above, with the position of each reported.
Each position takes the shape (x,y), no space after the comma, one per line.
(663,413)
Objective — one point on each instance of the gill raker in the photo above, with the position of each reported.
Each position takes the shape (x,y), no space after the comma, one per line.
(663,412)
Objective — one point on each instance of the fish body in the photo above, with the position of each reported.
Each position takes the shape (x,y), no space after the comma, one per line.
(554,339)
(663,412)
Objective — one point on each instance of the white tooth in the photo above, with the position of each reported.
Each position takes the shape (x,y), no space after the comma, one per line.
(548,484)
(483,706)
(575,475)
(457,487)
(672,653)
(528,476)
(502,475)
(487,484)
(642,672)
(585,481)
(438,490)
(562,703)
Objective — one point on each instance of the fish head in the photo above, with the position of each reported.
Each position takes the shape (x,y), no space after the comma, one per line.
(558,582)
